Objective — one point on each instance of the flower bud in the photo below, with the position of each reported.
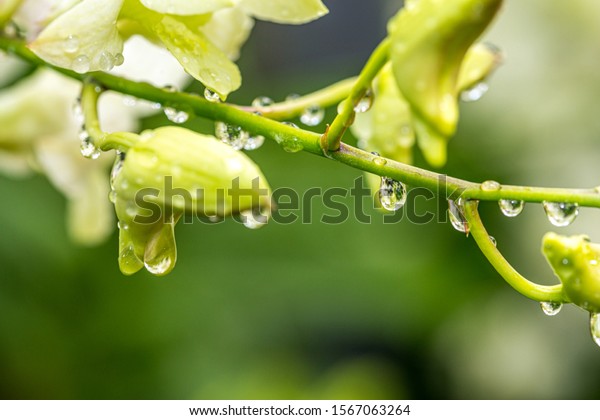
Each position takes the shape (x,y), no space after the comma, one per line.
(172,171)
(575,260)
(429,42)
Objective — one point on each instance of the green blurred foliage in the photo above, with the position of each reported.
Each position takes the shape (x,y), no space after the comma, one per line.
(313,310)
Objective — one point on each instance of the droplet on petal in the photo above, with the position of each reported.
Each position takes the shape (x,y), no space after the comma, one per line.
(211,96)
(511,208)
(71,43)
(561,214)
(106,61)
(475,93)
(81,64)
(176,116)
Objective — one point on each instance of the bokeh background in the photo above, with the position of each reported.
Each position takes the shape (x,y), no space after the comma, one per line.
(328,311)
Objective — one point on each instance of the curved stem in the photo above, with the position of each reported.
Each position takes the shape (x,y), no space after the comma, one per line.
(326,97)
(517,281)
(311,142)
(344,119)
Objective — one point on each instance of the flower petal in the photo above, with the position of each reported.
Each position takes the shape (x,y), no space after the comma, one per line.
(82,38)
(200,57)
(285,11)
(186,7)
(228,29)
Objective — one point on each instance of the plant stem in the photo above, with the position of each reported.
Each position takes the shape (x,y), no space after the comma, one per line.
(311,142)
(344,119)
(326,97)
(517,281)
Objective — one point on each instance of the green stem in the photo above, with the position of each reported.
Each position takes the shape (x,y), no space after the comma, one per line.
(344,119)
(311,142)
(326,97)
(517,281)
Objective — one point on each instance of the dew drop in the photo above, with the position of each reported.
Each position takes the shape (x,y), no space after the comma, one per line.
(87,146)
(551,308)
(160,264)
(456,214)
(78,112)
(292,97)
(253,220)
(313,115)
(262,102)
(129,101)
(475,93)
(176,116)
(211,96)
(232,135)
(494,241)
(254,142)
(561,214)
(490,186)
(106,61)
(511,208)
(379,161)
(119,59)
(595,327)
(71,43)
(365,102)
(392,194)
(112,196)
(292,144)
(290,124)
(116,168)
(81,64)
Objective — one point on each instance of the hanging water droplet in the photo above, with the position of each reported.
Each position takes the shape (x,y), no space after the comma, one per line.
(252,219)
(81,64)
(313,115)
(551,308)
(490,186)
(365,102)
(112,196)
(511,208)
(119,59)
(457,217)
(106,61)
(87,146)
(262,102)
(254,142)
(160,264)
(71,43)
(561,214)
(595,327)
(475,93)
(116,168)
(211,96)
(493,241)
(232,135)
(392,194)
(176,116)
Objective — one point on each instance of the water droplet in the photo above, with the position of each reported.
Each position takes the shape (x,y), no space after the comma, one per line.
(170,88)
(561,214)
(490,186)
(71,43)
(475,93)
(129,101)
(392,194)
(116,168)
(551,308)
(78,112)
(211,96)
(292,144)
(252,219)
(81,64)
(292,97)
(457,217)
(511,208)
(112,196)
(87,146)
(176,116)
(494,241)
(595,327)
(106,61)
(160,264)
(262,102)
(119,59)
(232,135)
(379,161)
(290,124)
(254,142)
(365,102)
(313,115)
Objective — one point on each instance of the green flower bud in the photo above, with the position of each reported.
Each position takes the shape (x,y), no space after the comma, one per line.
(575,260)
(429,41)
(172,171)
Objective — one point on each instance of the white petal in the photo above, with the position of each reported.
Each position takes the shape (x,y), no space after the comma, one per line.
(35,15)
(228,29)
(186,7)
(82,38)
(285,11)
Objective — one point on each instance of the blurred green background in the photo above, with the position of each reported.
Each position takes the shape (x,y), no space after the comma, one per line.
(328,311)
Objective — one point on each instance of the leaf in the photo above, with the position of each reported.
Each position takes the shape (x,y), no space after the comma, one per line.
(285,11)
